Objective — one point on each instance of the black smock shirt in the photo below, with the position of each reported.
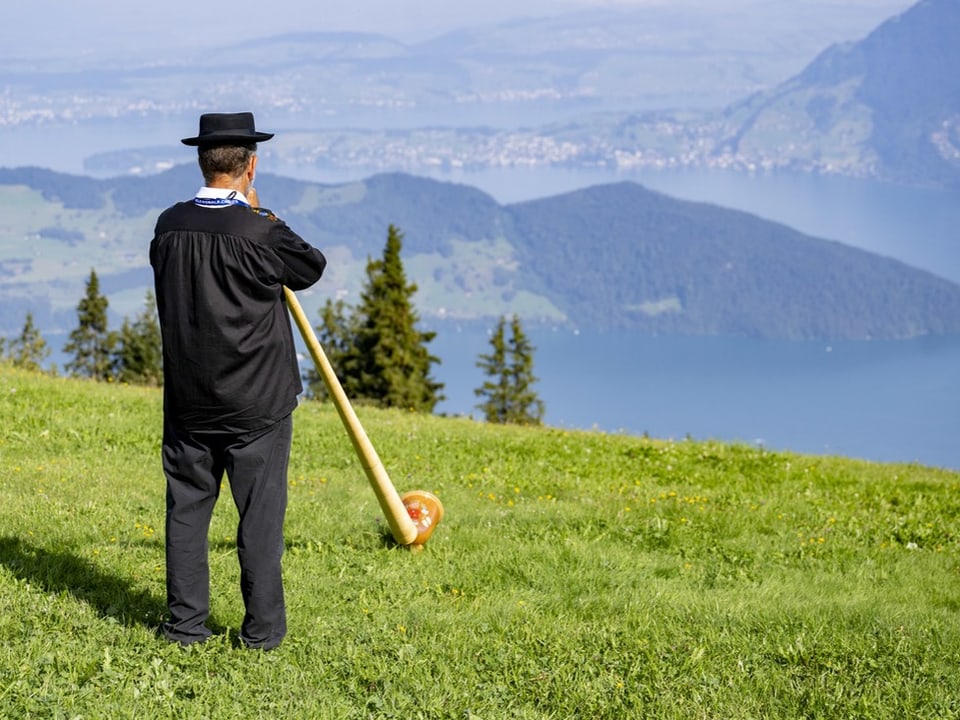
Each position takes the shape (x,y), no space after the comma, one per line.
(229,361)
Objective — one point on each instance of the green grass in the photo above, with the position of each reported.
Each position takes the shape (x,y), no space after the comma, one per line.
(575,575)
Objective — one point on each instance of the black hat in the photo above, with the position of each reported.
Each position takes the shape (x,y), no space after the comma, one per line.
(227,129)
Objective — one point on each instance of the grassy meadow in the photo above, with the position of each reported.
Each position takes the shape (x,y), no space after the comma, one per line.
(575,575)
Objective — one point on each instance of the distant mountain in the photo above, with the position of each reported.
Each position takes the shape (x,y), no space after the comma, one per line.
(641,57)
(482,96)
(887,106)
(608,257)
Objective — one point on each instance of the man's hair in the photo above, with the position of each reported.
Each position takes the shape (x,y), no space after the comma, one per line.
(230,160)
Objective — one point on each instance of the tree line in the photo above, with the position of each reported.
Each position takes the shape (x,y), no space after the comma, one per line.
(376,349)
(131,355)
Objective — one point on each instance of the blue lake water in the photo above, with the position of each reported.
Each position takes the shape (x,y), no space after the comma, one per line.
(884,401)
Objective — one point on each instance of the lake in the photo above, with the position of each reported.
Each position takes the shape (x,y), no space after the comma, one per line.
(895,401)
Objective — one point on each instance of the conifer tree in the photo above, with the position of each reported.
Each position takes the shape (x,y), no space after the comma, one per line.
(138,357)
(377,351)
(29,350)
(495,390)
(389,363)
(335,335)
(526,407)
(508,395)
(91,343)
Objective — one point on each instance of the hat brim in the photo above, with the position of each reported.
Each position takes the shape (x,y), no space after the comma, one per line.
(227,137)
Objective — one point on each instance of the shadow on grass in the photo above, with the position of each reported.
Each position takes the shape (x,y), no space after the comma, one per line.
(57,571)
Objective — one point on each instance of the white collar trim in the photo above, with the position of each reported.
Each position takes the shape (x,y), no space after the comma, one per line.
(213,193)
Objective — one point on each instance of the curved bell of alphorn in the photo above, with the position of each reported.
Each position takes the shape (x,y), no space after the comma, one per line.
(426,511)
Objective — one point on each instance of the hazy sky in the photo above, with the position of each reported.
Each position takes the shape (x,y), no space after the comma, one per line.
(67,27)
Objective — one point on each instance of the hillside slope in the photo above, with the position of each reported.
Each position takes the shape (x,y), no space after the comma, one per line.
(608,257)
(624,256)
(886,106)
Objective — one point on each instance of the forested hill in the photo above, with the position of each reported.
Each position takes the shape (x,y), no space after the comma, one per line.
(626,256)
(612,256)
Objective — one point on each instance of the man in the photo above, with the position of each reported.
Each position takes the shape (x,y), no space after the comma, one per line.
(231,378)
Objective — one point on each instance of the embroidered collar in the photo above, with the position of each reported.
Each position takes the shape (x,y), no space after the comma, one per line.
(219,197)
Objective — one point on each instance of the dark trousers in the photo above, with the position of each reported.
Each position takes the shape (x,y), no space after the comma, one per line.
(256,465)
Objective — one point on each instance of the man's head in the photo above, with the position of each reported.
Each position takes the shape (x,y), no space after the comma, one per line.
(226,161)
(227,147)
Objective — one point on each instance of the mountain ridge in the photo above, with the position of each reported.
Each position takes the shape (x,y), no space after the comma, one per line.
(617,256)
(886,106)
(368,102)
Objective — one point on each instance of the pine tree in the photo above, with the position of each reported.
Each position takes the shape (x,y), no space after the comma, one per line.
(496,389)
(508,395)
(526,407)
(138,357)
(335,335)
(91,344)
(29,350)
(388,363)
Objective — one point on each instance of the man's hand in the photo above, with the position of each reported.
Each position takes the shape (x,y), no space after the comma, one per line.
(252,197)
